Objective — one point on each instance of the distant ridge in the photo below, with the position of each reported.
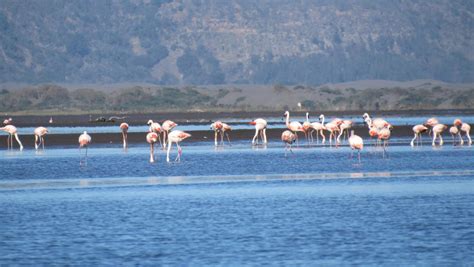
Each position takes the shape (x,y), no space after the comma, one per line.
(172,42)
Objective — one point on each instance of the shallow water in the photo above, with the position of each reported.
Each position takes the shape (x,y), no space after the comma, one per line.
(238,206)
(239,124)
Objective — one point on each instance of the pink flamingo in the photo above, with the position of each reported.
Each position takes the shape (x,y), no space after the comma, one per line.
(344,129)
(319,128)
(152,138)
(40,132)
(260,127)
(356,142)
(167,127)
(307,128)
(225,130)
(332,127)
(466,128)
(124,128)
(437,130)
(453,130)
(84,141)
(156,128)
(176,137)
(288,138)
(430,123)
(293,126)
(418,130)
(220,128)
(379,123)
(12,131)
(383,137)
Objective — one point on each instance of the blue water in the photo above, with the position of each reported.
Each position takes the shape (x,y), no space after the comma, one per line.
(238,206)
(239,124)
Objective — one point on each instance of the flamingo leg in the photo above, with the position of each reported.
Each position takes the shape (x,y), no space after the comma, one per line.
(18,140)
(228,139)
(215,138)
(413,140)
(42,142)
(265,135)
(165,133)
(180,151)
(255,137)
(159,139)
(358,154)
(222,138)
(152,153)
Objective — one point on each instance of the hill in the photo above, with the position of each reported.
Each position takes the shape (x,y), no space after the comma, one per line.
(168,42)
(148,98)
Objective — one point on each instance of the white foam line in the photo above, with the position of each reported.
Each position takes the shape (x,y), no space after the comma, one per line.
(183,180)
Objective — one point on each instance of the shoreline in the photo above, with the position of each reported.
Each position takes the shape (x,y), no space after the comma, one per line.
(184,118)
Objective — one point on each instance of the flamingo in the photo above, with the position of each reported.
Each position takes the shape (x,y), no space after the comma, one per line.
(418,130)
(332,127)
(319,128)
(464,128)
(260,127)
(50,120)
(152,138)
(453,130)
(176,136)
(377,122)
(467,128)
(220,128)
(430,123)
(225,129)
(40,132)
(437,130)
(344,128)
(384,136)
(84,141)
(167,127)
(217,128)
(288,138)
(124,128)
(307,128)
(356,142)
(12,131)
(156,128)
(293,126)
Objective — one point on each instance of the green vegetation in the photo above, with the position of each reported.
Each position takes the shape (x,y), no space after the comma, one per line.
(54,99)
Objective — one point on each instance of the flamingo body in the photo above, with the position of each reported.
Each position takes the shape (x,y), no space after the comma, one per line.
(40,132)
(124,128)
(151,139)
(260,128)
(176,136)
(12,132)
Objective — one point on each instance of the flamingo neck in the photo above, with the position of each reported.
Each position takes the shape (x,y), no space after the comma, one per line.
(287,119)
